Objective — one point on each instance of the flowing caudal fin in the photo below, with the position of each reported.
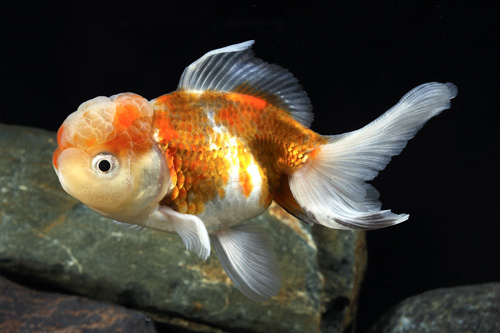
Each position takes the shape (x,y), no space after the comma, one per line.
(249,259)
(331,188)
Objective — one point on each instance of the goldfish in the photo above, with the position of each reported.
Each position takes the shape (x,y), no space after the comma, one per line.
(234,137)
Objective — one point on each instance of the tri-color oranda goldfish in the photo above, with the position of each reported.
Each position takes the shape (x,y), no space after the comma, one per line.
(217,151)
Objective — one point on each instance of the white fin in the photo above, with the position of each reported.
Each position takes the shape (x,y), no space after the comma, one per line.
(249,260)
(191,229)
(235,69)
(331,187)
(134,227)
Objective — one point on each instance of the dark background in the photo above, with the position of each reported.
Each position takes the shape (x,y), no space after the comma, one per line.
(355,61)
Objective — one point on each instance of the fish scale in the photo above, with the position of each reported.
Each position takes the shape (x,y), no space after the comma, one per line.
(245,130)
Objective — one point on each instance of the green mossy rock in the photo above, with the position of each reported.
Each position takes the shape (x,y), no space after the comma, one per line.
(45,235)
(474,308)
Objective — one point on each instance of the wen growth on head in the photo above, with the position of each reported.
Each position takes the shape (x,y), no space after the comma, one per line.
(217,151)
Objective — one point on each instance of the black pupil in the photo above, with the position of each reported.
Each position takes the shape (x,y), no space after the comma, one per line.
(104,165)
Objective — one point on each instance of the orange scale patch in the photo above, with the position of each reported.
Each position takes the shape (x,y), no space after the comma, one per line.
(177,162)
(245,177)
(121,143)
(125,114)
(131,127)
(182,207)
(200,207)
(166,129)
(255,102)
(182,194)
(90,142)
(191,208)
(188,182)
(60,132)
(175,193)
(180,179)
(268,135)
(197,180)
(193,160)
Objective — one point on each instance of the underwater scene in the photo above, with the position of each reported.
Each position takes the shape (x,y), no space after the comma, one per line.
(249,167)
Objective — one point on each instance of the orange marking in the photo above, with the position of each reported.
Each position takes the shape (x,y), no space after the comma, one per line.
(247,187)
(182,207)
(166,102)
(200,207)
(180,179)
(132,125)
(175,193)
(313,154)
(255,102)
(266,135)
(177,162)
(245,177)
(126,114)
(166,129)
(90,142)
(120,143)
(191,207)
(188,182)
(225,114)
(182,194)
(59,135)
(55,156)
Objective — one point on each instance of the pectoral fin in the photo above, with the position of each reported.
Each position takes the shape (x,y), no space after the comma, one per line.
(191,229)
(249,259)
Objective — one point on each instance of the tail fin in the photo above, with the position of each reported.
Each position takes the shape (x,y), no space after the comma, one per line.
(331,187)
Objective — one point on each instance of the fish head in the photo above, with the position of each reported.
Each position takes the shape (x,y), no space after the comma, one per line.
(107,158)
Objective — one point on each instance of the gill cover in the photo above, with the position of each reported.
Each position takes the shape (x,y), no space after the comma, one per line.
(107,159)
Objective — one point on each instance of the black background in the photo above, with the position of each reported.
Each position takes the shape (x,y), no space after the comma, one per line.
(355,61)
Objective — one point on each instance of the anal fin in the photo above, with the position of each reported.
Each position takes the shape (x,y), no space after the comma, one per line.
(285,199)
(249,260)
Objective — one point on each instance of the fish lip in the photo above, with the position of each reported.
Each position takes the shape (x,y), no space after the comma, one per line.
(55,156)
(62,182)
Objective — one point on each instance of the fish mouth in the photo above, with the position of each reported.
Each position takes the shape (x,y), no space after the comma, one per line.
(55,157)
(62,181)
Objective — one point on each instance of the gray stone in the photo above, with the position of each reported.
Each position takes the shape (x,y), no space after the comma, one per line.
(26,310)
(47,235)
(473,308)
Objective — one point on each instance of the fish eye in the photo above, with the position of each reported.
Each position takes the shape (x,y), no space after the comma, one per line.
(104,163)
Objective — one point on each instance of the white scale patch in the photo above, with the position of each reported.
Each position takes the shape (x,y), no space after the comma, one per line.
(234,207)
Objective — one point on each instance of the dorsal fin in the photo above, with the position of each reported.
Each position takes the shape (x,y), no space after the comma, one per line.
(235,69)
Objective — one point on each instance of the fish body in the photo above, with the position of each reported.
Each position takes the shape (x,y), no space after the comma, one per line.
(234,137)
(228,152)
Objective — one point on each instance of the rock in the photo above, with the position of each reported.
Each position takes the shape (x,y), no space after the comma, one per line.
(473,308)
(25,310)
(47,235)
